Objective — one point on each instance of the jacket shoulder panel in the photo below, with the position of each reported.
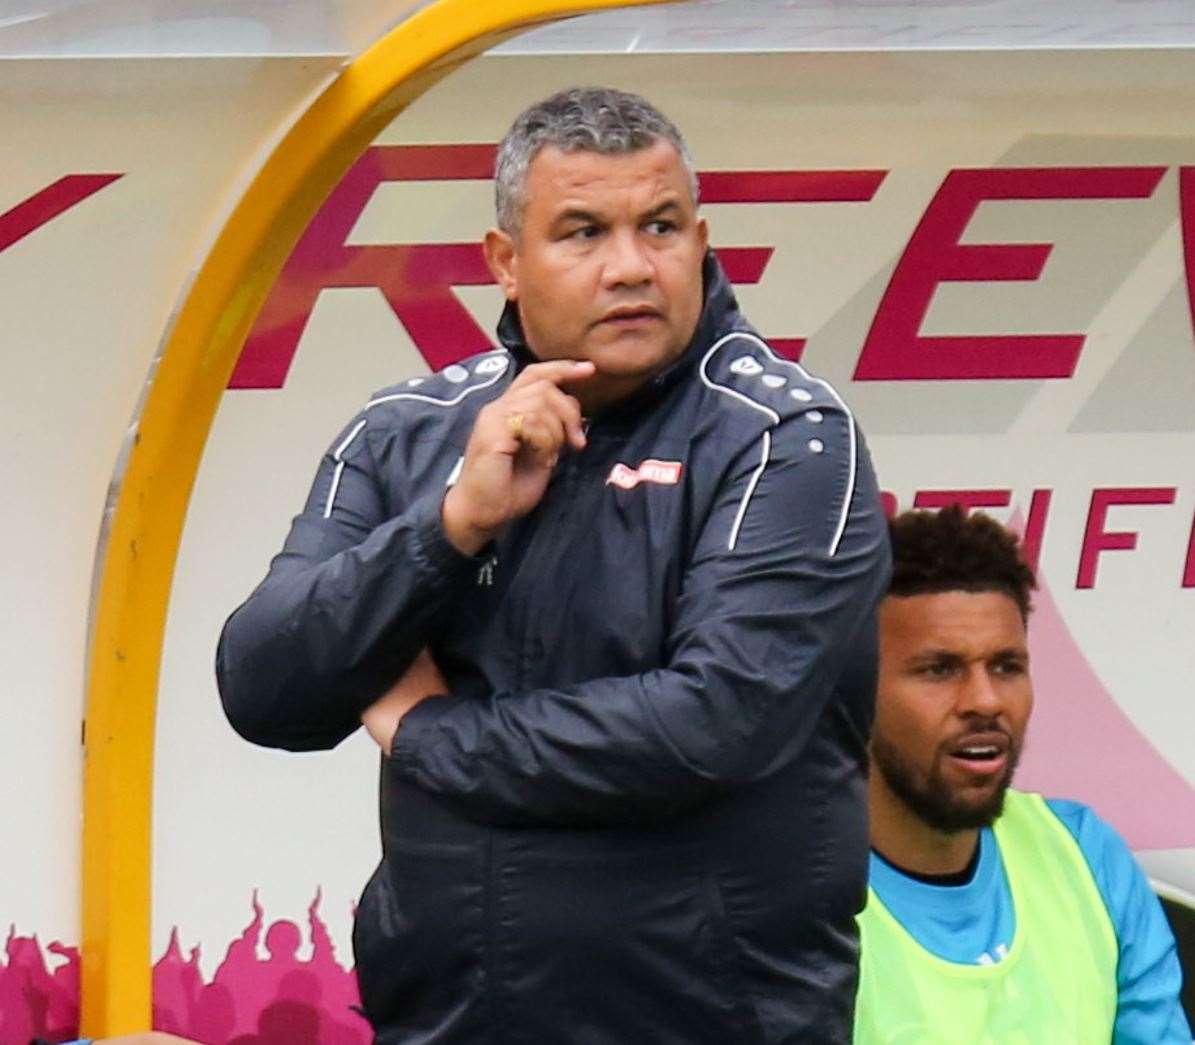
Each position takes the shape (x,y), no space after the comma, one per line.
(446,388)
(741,367)
(804,418)
(413,426)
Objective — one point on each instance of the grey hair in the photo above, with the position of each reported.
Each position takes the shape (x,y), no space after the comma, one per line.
(580,119)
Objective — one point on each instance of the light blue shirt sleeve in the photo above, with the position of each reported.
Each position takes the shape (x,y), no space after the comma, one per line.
(1148,974)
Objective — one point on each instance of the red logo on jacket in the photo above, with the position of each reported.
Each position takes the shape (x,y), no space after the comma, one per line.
(666,473)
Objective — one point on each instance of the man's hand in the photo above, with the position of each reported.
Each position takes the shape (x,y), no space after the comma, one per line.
(514,446)
(421,679)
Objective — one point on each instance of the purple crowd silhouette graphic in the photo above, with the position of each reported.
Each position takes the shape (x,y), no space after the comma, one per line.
(276,1000)
(33,1000)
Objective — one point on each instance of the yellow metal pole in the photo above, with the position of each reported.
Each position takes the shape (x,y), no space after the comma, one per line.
(199,353)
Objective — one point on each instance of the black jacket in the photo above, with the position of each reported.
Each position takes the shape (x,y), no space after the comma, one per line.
(639,816)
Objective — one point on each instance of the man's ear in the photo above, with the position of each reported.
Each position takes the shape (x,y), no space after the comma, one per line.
(502,258)
(703,233)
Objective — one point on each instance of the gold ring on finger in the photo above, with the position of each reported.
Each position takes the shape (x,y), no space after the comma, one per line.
(514,422)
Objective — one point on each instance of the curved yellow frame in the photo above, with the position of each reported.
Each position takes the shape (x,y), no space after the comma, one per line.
(199,354)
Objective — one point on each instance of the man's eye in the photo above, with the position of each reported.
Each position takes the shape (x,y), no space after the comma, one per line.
(938,670)
(1009,667)
(660,227)
(584,232)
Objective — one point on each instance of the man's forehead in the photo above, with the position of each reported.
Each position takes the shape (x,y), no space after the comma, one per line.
(559,176)
(962,620)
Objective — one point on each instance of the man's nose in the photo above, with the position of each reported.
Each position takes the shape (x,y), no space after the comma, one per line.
(978,694)
(627,262)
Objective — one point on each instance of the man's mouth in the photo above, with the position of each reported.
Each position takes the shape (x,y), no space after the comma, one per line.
(630,314)
(982,753)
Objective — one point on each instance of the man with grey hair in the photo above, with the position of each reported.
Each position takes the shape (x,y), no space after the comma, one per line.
(605,598)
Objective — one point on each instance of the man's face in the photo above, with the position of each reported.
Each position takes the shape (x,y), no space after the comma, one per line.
(607,263)
(953,702)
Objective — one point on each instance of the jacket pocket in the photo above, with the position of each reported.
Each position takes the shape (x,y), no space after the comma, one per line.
(612,951)
(419,944)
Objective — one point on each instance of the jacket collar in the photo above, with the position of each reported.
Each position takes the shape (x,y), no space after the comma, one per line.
(719,315)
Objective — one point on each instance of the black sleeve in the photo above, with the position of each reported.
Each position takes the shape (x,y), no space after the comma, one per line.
(787,573)
(345,608)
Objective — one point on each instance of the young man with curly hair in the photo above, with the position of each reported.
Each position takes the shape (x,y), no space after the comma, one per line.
(994,915)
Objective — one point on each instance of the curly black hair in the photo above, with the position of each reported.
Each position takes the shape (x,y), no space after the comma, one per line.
(948,550)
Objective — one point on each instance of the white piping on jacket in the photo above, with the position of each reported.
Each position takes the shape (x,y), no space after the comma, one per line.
(338,457)
(850,486)
(738,519)
(440,402)
(338,453)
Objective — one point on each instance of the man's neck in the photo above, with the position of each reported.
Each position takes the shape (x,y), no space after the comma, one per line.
(907,841)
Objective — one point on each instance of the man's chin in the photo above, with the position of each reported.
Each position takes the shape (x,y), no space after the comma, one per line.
(965,808)
(632,351)
(623,365)
(968,815)
(948,808)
